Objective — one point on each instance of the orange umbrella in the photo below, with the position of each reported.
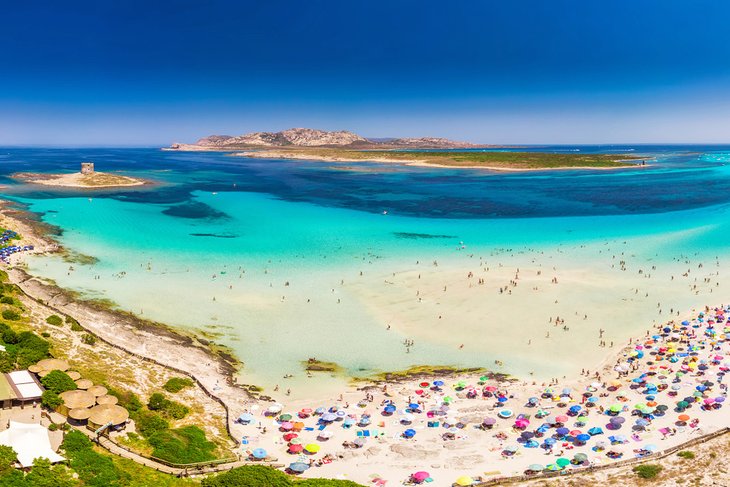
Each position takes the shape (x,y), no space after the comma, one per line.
(298,426)
(683,417)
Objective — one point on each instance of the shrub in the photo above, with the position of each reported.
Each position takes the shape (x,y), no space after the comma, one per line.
(157,402)
(52,427)
(127,400)
(45,334)
(647,470)
(10,315)
(31,349)
(93,468)
(249,475)
(58,382)
(51,400)
(176,384)
(149,424)
(686,454)
(170,409)
(54,320)
(88,339)
(7,458)
(76,327)
(182,445)
(7,300)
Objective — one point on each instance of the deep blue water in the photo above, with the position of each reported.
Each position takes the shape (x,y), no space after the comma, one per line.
(684,177)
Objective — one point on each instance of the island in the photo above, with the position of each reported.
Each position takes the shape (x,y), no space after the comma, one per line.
(88,177)
(346,146)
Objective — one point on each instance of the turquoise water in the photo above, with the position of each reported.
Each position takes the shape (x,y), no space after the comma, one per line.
(267,256)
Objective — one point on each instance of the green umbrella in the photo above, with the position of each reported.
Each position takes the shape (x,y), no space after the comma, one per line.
(536,467)
(562,462)
(682,404)
(483,378)
(285,417)
(580,457)
(616,408)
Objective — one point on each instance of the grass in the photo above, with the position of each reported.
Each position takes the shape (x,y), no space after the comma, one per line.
(648,470)
(687,455)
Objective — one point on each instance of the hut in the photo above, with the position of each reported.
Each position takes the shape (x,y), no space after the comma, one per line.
(51,364)
(77,399)
(97,391)
(84,384)
(106,400)
(73,374)
(107,414)
(79,414)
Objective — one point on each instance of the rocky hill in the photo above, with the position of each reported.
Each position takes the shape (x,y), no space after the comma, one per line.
(305,137)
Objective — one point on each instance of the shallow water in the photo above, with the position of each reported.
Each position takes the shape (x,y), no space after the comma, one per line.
(214,245)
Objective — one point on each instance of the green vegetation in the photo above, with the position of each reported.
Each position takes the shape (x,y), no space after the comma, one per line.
(43,474)
(177,384)
(10,315)
(261,476)
(170,409)
(74,324)
(7,300)
(149,423)
(93,469)
(54,320)
(686,454)
(126,399)
(51,400)
(487,159)
(7,458)
(58,382)
(21,349)
(182,445)
(647,470)
(88,339)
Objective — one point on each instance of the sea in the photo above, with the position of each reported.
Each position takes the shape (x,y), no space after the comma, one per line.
(283,261)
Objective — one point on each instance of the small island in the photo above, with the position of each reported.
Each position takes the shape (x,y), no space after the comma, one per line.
(86,178)
(491,160)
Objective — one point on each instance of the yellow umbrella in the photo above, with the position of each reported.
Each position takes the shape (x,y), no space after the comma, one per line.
(464,480)
(312,448)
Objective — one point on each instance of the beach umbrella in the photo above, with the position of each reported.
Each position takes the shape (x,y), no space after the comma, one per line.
(295,448)
(274,409)
(562,462)
(320,410)
(291,436)
(348,422)
(531,444)
(720,399)
(683,417)
(562,431)
(580,457)
(595,431)
(295,441)
(420,476)
(616,408)
(359,441)
(312,448)
(536,467)
(511,448)
(464,481)
(505,413)
(583,437)
(245,418)
(561,419)
(527,435)
(552,467)
(298,467)
(259,453)
(650,447)
(285,417)
(286,426)
(438,383)
(550,441)
(324,435)
(329,417)
(409,433)
(488,421)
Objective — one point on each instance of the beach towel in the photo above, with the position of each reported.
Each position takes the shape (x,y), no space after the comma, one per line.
(308,429)
(322,426)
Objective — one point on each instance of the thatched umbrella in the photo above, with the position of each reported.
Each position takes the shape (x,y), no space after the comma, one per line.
(53,364)
(73,374)
(77,399)
(98,390)
(106,400)
(84,384)
(108,413)
(79,414)
(35,368)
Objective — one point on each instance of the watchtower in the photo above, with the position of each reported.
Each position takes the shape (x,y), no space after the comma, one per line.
(87,168)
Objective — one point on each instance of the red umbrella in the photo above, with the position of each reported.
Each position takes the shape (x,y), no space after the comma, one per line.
(290,436)
(295,448)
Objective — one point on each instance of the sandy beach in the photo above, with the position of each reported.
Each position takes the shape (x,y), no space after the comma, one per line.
(440,425)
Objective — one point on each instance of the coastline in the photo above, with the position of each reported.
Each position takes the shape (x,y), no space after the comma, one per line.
(273,154)
(176,351)
(97,180)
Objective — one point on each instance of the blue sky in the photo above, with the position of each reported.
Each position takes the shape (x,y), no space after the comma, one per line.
(153,72)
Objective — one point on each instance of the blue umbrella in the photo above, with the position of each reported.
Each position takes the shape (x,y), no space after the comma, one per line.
(389,408)
(438,383)
(550,441)
(531,444)
(562,431)
(575,408)
(259,453)
(298,467)
(245,418)
(583,437)
(409,433)
(414,406)
(595,431)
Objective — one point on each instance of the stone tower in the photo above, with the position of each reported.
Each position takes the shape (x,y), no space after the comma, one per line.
(87,167)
